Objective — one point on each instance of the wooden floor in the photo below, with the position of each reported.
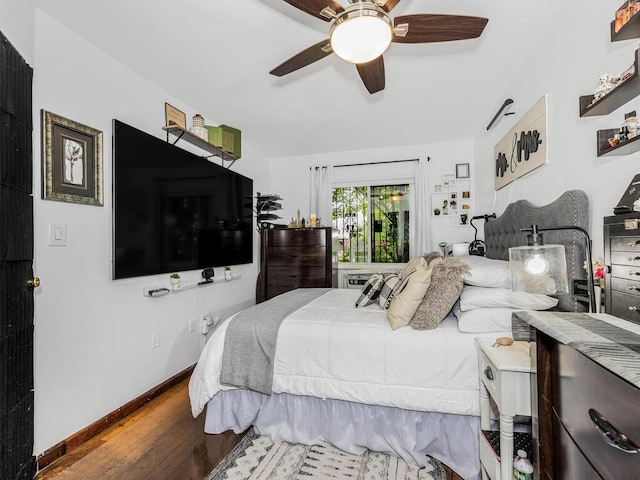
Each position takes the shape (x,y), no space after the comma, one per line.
(160,441)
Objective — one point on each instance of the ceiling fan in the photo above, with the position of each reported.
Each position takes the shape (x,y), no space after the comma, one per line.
(362,32)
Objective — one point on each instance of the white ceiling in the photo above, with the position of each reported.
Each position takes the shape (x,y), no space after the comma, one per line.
(216,54)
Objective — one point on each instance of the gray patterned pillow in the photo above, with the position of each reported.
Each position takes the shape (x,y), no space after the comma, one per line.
(442,294)
(370,290)
(390,287)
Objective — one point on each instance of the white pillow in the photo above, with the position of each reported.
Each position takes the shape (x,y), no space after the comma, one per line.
(405,303)
(481,297)
(484,320)
(487,272)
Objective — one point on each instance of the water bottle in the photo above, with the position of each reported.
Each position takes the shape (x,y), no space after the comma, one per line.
(522,468)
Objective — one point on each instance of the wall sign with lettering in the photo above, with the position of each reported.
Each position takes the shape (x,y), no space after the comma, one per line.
(524,148)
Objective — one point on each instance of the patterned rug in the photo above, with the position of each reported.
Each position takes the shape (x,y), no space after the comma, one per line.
(257,457)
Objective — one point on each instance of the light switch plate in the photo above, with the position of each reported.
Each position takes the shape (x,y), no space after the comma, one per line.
(57,234)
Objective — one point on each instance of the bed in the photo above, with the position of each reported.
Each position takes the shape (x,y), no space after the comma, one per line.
(340,374)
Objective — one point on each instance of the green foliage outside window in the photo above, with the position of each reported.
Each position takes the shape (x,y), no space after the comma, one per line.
(372,223)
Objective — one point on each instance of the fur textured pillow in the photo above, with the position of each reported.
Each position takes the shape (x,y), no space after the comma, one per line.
(442,294)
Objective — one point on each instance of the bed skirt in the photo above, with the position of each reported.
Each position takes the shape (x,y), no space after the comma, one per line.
(352,427)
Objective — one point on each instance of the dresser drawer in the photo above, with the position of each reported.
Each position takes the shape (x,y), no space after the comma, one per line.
(509,389)
(631,272)
(625,244)
(586,394)
(296,257)
(625,306)
(625,258)
(310,237)
(573,464)
(631,287)
(304,277)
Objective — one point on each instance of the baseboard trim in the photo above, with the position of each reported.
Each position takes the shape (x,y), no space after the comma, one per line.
(59,450)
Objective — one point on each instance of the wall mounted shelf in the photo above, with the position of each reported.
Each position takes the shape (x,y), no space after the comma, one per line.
(623,93)
(186,135)
(629,31)
(166,289)
(623,148)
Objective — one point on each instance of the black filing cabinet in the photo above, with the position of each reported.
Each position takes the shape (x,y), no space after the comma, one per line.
(622,258)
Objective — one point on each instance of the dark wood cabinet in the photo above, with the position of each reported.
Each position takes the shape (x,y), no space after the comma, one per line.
(587,418)
(622,258)
(293,258)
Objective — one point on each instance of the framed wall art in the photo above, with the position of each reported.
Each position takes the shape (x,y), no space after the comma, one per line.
(174,117)
(462,170)
(71,161)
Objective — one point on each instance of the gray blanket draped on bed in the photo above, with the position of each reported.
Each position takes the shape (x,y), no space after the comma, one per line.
(251,337)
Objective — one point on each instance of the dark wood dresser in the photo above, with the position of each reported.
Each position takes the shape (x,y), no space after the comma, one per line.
(587,384)
(293,258)
(622,258)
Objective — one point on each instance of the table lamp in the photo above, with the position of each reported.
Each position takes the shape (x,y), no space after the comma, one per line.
(540,268)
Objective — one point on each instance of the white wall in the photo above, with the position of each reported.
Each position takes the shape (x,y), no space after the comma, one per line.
(566,64)
(93,334)
(289,178)
(17,24)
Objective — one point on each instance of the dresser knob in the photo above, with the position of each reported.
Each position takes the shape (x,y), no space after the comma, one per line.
(633,244)
(631,272)
(634,289)
(633,308)
(633,259)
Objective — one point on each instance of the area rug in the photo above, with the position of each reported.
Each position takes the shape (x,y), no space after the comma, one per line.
(257,457)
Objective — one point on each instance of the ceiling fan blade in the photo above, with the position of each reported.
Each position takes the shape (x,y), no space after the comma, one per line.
(427,28)
(315,7)
(390,5)
(306,57)
(372,74)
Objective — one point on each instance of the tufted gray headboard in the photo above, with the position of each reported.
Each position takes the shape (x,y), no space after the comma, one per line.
(571,208)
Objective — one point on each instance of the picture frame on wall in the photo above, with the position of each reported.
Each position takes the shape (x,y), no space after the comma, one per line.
(462,170)
(71,161)
(174,117)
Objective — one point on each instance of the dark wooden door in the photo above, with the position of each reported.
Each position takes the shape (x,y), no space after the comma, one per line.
(16,260)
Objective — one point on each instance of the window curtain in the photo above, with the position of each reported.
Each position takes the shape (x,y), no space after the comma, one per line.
(320,191)
(422,224)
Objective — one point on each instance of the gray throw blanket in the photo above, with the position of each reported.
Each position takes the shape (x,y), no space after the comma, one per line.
(251,337)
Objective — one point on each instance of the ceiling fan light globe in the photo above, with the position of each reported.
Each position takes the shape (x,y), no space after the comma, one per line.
(361,38)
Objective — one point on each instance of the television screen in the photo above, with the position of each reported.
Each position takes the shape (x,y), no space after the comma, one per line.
(173,210)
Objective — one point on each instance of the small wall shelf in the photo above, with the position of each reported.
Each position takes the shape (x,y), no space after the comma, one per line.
(457,194)
(629,31)
(623,148)
(623,93)
(189,137)
(166,289)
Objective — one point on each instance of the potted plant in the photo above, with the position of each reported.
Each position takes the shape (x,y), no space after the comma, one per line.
(436,211)
(174,279)
(227,273)
(463,218)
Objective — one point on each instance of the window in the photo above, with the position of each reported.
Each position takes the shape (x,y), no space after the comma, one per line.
(372,223)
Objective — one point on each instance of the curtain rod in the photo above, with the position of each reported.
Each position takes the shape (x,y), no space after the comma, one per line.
(375,163)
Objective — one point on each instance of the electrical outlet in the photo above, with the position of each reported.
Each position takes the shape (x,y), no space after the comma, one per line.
(155,339)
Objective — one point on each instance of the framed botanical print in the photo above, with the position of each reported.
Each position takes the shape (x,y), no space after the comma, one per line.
(71,161)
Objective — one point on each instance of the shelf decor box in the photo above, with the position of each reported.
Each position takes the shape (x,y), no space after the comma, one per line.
(227,138)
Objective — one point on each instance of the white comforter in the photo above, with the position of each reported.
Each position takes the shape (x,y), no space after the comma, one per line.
(330,349)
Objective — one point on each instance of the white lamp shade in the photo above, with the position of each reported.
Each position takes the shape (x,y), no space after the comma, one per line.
(539,269)
(361,39)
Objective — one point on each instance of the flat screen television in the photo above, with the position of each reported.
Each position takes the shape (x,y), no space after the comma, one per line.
(173,210)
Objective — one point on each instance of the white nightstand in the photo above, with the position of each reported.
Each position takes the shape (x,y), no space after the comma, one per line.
(504,377)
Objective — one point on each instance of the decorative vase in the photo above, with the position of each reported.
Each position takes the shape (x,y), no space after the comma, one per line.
(227,274)
(175,282)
